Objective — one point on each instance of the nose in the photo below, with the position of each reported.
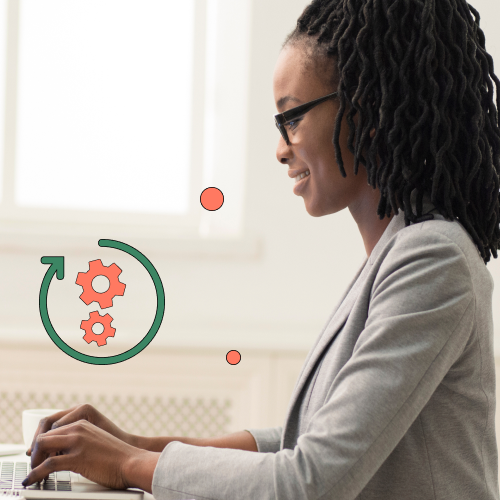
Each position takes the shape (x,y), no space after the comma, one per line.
(283,151)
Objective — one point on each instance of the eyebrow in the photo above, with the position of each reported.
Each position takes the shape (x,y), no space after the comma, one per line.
(286,99)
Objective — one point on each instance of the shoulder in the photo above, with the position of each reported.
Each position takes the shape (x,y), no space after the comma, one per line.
(422,274)
(430,238)
(437,250)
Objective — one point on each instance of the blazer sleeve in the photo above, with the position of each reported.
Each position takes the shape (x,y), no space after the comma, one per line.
(420,317)
(268,440)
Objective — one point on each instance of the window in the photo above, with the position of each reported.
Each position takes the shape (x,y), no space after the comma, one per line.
(104,105)
(3,39)
(114,114)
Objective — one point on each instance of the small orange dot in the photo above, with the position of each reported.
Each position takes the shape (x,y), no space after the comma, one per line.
(212,199)
(233,357)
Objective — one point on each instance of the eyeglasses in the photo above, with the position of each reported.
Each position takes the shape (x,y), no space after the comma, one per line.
(281,119)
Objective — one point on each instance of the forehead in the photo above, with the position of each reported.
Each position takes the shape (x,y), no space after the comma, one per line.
(295,75)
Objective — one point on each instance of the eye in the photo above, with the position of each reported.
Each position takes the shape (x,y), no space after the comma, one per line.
(292,124)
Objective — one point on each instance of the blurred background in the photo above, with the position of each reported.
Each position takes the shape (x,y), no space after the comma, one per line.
(117,114)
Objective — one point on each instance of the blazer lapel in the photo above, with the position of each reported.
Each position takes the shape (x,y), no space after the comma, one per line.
(328,325)
(342,311)
(339,316)
(333,327)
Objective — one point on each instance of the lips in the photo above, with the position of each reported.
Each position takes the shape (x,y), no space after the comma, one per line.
(293,173)
(301,185)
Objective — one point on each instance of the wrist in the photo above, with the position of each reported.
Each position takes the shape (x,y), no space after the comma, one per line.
(139,468)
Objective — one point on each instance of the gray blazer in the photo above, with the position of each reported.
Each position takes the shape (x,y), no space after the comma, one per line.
(396,399)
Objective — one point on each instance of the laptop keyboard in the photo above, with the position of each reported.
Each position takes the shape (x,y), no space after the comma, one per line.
(12,474)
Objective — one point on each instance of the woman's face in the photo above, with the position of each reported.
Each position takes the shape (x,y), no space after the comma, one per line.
(324,190)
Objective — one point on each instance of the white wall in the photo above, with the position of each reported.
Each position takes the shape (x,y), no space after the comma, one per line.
(278,296)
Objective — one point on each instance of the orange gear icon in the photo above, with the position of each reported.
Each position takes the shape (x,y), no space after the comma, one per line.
(105,321)
(116,287)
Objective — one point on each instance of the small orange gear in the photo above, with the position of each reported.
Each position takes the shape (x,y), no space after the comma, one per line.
(105,321)
(116,287)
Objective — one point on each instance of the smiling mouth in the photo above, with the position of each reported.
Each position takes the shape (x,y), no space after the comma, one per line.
(301,176)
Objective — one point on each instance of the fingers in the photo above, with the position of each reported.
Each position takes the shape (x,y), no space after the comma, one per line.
(46,423)
(49,445)
(53,442)
(52,464)
(80,412)
(84,448)
(83,411)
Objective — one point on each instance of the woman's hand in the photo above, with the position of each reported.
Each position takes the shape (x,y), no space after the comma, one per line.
(80,412)
(86,449)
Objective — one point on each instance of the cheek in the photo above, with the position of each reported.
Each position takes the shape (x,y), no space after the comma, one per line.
(320,159)
(316,148)
(322,143)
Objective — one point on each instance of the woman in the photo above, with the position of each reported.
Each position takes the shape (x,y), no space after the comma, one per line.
(396,399)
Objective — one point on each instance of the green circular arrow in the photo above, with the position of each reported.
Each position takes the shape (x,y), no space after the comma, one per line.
(57,265)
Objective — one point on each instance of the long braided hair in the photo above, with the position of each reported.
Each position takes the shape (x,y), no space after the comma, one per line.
(423,75)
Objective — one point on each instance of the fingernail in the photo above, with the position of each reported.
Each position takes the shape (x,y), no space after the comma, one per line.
(25,482)
(27,454)
(54,425)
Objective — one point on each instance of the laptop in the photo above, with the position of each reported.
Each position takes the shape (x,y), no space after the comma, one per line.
(59,485)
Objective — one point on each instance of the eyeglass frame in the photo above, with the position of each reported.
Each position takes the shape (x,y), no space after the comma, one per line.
(281,119)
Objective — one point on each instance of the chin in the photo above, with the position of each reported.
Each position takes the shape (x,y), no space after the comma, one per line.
(314,211)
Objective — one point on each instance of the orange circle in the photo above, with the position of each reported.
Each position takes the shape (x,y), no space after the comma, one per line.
(233,357)
(211,199)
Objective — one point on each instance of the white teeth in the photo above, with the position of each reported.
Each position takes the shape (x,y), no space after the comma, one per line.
(301,176)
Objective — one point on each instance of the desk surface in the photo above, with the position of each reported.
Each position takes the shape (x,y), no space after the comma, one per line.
(19,451)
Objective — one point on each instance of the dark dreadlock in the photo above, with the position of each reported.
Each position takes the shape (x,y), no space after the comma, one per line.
(422,72)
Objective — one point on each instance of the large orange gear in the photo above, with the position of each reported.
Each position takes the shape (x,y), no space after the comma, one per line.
(116,287)
(105,321)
